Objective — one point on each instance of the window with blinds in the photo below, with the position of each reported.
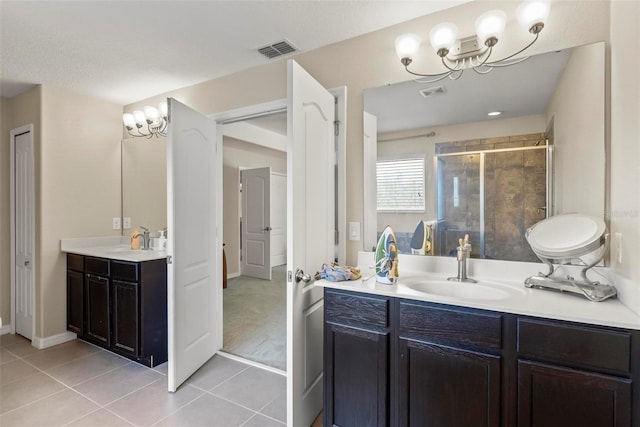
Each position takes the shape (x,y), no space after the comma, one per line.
(400,185)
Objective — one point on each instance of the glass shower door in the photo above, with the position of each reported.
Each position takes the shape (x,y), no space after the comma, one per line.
(460,205)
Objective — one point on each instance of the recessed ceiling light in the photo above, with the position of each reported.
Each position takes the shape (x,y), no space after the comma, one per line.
(494,113)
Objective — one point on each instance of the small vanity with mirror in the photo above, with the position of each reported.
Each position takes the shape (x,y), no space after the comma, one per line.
(117,297)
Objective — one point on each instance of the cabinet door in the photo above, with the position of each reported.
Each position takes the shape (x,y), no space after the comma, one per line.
(125,317)
(75,302)
(445,386)
(550,396)
(356,377)
(97,306)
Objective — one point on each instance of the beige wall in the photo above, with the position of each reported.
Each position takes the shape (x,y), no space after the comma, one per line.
(5,284)
(79,189)
(242,154)
(625,135)
(370,61)
(578,171)
(80,170)
(16,112)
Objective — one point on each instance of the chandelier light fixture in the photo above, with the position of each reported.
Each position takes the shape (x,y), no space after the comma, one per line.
(147,123)
(474,51)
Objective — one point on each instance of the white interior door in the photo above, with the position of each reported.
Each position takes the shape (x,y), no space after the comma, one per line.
(24,232)
(370,155)
(256,229)
(194,244)
(310,235)
(278,219)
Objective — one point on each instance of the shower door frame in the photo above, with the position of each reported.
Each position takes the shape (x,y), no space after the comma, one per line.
(482,154)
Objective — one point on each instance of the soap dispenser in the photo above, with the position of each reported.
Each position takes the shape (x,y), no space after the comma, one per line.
(162,240)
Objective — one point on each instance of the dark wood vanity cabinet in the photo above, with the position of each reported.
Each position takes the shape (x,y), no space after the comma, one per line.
(356,355)
(75,294)
(448,359)
(397,362)
(571,374)
(119,305)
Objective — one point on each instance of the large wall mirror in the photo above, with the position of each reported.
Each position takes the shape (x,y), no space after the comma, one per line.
(491,177)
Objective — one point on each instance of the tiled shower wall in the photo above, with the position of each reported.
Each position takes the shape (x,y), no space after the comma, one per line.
(515,193)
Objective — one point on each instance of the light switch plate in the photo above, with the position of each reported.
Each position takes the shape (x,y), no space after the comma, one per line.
(126,223)
(354,231)
(116,223)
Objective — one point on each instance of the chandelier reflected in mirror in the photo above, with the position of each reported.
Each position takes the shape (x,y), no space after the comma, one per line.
(475,51)
(147,123)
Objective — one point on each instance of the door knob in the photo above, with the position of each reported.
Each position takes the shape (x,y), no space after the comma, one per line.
(301,277)
(26,263)
(267,228)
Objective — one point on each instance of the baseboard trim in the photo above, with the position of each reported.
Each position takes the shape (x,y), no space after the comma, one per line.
(251,362)
(232,275)
(46,342)
(5,329)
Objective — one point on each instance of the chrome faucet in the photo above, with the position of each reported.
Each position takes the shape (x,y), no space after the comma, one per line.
(463,252)
(146,239)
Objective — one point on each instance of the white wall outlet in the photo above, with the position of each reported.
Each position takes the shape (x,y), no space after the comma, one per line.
(115,223)
(354,231)
(618,245)
(126,223)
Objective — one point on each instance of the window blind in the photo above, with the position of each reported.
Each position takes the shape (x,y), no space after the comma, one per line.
(400,185)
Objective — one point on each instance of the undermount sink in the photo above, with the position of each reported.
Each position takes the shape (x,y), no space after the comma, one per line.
(484,290)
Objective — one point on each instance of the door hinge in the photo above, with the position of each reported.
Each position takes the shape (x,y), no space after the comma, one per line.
(169,259)
(336,127)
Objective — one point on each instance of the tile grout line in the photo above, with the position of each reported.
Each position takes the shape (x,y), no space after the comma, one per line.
(44,397)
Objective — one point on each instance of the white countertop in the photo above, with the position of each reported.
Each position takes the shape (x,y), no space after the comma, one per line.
(112,247)
(521,300)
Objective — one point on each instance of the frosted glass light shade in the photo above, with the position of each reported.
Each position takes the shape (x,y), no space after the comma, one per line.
(163,109)
(139,117)
(152,114)
(443,36)
(128,120)
(533,12)
(407,45)
(490,25)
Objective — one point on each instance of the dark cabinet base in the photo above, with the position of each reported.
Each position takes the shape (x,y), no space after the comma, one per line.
(119,305)
(395,362)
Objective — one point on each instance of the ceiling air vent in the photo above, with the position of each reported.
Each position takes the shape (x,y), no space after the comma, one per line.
(277,49)
(433,91)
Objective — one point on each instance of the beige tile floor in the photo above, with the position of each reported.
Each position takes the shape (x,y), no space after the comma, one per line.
(78,384)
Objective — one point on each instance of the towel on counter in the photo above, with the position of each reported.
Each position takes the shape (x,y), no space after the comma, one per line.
(338,273)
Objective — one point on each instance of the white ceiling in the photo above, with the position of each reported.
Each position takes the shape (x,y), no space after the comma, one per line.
(125,51)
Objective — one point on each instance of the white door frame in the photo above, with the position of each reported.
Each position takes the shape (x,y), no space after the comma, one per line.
(238,114)
(12,227)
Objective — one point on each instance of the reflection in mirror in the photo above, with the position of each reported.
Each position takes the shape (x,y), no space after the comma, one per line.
(492,177)
(144,184)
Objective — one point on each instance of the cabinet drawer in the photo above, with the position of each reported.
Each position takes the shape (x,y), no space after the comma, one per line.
(466,328)
(575,345)
(99,266)
(356,310)
(128,271)
(75,262)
